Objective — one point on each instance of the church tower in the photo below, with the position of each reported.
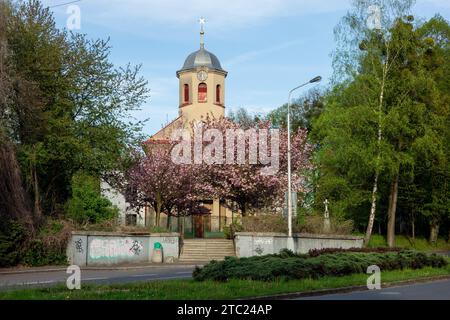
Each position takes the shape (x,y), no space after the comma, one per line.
(202,84)
(202,94)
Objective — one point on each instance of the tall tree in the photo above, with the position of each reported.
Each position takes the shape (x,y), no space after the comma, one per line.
(248,183)
(173,189)
(72,107)
(388,67)
(379,113)
(303,111)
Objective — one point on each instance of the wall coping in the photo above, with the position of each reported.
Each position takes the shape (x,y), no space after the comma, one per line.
(124,234)
(300,235)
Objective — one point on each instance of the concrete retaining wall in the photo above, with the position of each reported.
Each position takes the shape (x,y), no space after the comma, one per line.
(111,248)
(251,244)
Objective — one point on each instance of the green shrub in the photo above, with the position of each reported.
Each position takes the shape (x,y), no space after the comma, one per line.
(315,224)
(229,231)
(156,229)
(318,252)
(307,224)
(12,238)
(288,265)
(48,247)
(87,205)
(264,223)
(38,253)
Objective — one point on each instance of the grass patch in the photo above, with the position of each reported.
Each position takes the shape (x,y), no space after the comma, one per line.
(401,241)
(205,290)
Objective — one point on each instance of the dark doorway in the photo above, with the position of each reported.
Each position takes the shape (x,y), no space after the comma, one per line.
(198,226)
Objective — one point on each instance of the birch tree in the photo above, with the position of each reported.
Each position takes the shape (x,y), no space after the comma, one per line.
(368,27)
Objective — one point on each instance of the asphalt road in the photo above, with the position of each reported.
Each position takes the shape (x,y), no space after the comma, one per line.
(49,278)
(436,290)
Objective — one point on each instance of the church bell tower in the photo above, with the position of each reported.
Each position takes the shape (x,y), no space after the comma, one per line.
(202,84)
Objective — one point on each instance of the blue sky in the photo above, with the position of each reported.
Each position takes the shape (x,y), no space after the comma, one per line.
(267,46)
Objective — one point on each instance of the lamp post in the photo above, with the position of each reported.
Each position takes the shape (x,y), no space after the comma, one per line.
(290,240)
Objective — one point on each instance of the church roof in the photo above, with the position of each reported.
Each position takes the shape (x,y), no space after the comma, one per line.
(202,58)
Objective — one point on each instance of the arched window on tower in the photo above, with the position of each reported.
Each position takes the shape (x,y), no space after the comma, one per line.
(202,92)
(186,93)
(218,94)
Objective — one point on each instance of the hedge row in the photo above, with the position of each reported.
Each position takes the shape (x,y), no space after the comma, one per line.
(318,252)
(290,266)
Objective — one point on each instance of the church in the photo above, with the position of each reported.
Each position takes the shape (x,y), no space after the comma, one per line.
(201,94)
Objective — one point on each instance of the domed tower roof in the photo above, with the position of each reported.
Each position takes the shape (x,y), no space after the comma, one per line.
(202,58)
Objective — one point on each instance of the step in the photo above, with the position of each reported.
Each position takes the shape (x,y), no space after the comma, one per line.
(203,250)
(209,248)
(199,259)
(207,251)
(208,241)
(207,255)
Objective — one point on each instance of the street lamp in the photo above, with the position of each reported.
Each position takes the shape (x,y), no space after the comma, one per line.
(290,240)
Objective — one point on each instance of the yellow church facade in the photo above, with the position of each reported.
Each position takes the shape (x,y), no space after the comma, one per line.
(201,94)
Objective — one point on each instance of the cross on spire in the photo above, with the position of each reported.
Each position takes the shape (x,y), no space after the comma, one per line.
(202,22)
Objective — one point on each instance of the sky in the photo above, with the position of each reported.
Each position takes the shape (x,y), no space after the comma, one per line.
(267,46)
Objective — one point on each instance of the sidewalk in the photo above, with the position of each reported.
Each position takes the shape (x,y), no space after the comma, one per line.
(18,270)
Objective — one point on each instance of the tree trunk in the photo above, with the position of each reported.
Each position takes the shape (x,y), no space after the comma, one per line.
(37,202)
(391,212)
(372,211)
(157,218)
(158,211)
(434,232)
(181,229)
(243,209)
(168,223)
(373,206)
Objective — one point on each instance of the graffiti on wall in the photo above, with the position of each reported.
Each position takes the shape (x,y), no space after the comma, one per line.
(263,241)
(259,250)
(115,248)
(261,244)
(79,245)
(169,240)
(136,247)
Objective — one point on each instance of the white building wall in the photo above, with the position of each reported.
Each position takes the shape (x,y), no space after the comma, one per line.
(118,199)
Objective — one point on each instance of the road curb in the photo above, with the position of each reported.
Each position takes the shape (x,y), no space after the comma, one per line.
(100,268)
(291,295)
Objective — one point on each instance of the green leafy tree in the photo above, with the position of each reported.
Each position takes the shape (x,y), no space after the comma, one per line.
(244,119)
(381,111)
(71,109)
(87,205)
(303,111)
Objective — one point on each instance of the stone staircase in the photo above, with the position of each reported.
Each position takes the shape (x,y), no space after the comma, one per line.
(204,250)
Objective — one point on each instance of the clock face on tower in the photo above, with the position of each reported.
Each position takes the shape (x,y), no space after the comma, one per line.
(202,75)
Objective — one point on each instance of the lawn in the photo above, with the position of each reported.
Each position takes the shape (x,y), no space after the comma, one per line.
(192,290)
(401,241)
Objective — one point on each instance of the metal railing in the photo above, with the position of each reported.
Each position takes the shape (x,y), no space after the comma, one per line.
(205,226)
